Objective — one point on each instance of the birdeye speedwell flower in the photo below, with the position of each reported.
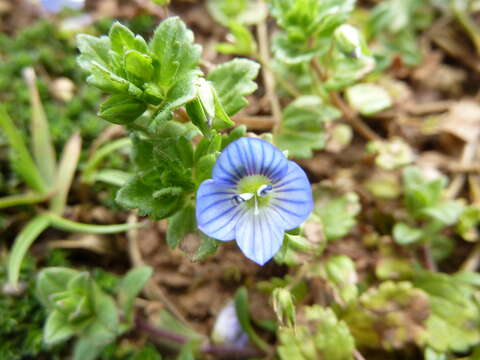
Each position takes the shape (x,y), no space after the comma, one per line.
(254,196)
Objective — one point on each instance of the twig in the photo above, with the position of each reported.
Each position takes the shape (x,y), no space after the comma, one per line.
(268,78)
(223,351)
(357,355)
(472,262)
(263,123)
(468,155)
(427,258)
(152,290)
(362,128)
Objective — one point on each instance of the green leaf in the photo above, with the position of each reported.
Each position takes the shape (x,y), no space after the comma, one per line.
(93,50)
(245,12)
(137,194)
(21,157)
(243,314)
(121,109)
(404,234)
(447,213)
(243,42)
(138,67)
(204,167)
(368,99)
(122,40)
(390,316)
(85,350)
(420,193)
(340,272)
(52,280)
(22,243)
(187,352)
(467,224)
(111,176)
(338,215)
(57,329)
(317,335)
(208,246)
(129,288)
(454,315)
(104,326)
(303,126)
(181,224)
(233,81)
(66,171)
(173,47)
(42,146)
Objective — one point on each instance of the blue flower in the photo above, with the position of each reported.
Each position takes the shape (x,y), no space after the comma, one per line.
(254,196)
(55,6)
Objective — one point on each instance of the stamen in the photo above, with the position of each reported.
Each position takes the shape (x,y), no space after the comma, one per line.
(238,199)
(256,212)
(264,189)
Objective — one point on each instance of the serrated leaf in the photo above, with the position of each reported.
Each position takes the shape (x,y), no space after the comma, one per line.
(204,167)
(104,326)
(173,47)
(317,335)
(233,81)
(137,194)
(129,288)
(454,320)
(85,350)
(93,50)
(121,109)
(138,67)
(181,224)
(245,12)
(338,215)
(390,316)
(303,126)
(122,39)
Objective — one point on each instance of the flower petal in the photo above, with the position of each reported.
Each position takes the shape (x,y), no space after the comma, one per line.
(292,197)
(250,156)
(216,212)
(258,236)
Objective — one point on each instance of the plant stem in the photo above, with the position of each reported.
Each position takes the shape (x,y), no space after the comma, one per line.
(427,259)
(268,78)
(222,351)
(349,115)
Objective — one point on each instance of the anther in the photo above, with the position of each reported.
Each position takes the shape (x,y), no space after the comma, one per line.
(238,199)
(264,189)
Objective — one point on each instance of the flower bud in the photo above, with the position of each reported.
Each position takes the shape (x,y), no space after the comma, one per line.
(349,40)
(227,328)
(283,306)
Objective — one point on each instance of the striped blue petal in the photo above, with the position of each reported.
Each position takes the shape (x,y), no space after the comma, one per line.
(258,236)
(216,212)
(292,198)
(250,156)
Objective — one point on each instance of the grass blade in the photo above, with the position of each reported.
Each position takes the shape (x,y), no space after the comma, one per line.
(92,164)
(22,243)
(22,199)
(73,226)
(66,170)
(42,146)
(112,177)
(23,162)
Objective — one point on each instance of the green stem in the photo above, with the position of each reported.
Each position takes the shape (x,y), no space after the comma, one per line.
(68,225)
(22,199)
